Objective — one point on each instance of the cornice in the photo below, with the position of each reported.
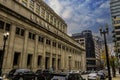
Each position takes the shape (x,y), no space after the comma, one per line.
(51,10)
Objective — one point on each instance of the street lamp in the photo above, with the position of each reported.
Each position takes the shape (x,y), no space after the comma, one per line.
(5,37)
(104,32)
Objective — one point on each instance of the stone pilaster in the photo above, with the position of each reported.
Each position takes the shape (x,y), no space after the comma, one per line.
(8,61)
(24,53)
(35,56)
(44,54)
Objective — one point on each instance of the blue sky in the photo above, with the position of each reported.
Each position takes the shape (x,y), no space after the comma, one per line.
(82,14)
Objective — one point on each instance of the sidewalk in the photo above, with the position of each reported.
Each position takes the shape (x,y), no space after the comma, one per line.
(117,77)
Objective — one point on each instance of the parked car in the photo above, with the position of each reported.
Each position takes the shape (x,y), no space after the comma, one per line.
(65,76)
(21,74)
(39,75)
(101,74)
(106,72)
(42,74)
(1,78)
(93,76)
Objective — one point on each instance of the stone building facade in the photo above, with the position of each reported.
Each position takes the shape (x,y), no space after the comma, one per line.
(37,38)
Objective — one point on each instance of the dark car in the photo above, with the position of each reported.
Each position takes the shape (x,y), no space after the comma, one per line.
(65,76)
(42,74)
(21,74)
(39,75)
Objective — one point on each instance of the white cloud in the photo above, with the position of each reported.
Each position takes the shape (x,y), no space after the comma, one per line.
(56,6)
(100,20)
(80,16)
(105,5)
(67,13)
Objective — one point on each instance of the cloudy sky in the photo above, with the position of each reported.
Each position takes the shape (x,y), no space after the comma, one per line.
(82,14)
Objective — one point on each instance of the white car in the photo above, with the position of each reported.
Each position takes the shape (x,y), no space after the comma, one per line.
(93,76)
(1,78)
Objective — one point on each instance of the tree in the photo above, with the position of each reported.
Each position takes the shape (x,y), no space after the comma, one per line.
(113,66)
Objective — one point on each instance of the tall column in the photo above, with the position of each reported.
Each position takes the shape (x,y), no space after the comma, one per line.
(50,65)
(35,56)
(8,60)
(24,53)
(56,62)
(56,51)
(44,54)
(62,57)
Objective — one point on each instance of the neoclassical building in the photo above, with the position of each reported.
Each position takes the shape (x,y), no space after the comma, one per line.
(37,38)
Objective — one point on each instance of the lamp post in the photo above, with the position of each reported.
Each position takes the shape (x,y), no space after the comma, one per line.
(5,37)
(104,32)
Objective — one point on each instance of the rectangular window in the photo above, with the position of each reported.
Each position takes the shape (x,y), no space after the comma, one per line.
(31,5)
(17,30)
(29,60)
(54,44)
(42,12)
(20,31)
(39,60)
(66,49)
(59,45)
(2,24)
(55,21)
(51,19)
(37,8)
(47,16)
(24,2)
(16,58)
(57,24)
(7,27)
(41,39)
(63,47)
(31,36)
(48,41)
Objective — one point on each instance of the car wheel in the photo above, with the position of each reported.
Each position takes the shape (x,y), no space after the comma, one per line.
(20,78)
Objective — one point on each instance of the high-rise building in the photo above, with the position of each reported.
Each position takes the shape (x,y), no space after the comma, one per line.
(115,14)
(37,38)
(98,47)
(86,38)
(115,8)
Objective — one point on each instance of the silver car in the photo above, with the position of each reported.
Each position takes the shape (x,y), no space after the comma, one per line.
(93,76)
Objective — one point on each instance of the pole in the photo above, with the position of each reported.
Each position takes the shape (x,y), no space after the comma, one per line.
(107,56)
